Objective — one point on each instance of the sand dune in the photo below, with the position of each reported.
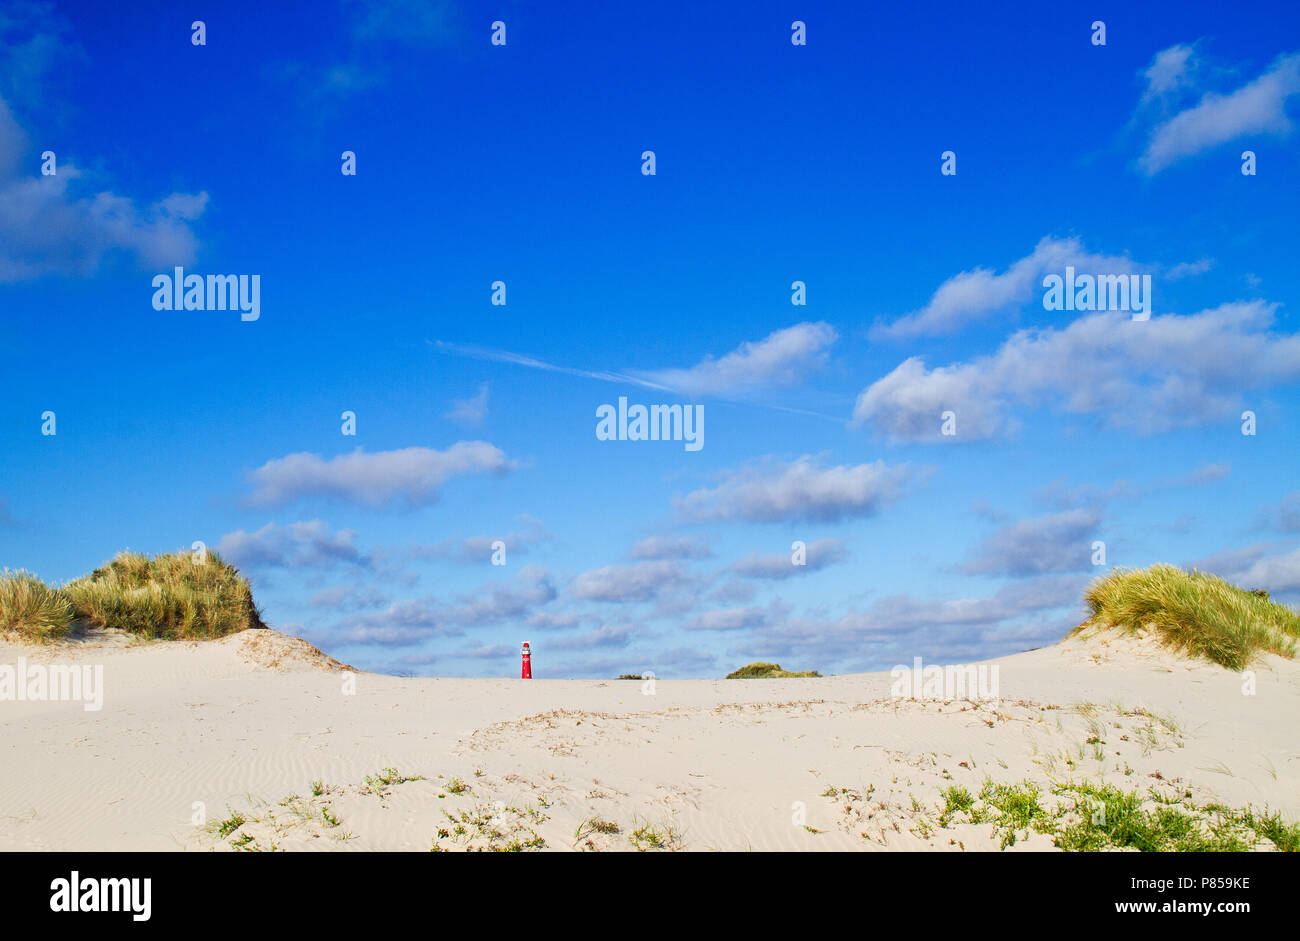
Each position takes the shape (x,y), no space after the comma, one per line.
(235,731)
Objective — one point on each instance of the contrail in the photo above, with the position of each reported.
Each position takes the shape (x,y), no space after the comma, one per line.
(519,359)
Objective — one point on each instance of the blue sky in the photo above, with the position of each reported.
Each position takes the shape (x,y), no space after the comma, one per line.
(775,163)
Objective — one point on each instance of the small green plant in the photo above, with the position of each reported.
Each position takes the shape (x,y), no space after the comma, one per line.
(379,783)
(648,837)
(956,800)
(596,825)
(231,823)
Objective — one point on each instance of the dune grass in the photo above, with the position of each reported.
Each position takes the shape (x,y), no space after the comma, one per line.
(1195,613)
(165,597)
(1087,817)
(766,671)
(32,610)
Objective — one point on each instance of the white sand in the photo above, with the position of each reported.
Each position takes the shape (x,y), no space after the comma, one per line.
(246,721)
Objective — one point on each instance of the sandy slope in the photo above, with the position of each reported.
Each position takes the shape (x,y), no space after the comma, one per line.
(248,721)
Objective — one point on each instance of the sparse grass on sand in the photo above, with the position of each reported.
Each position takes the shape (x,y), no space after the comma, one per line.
(1087,817)
(766,671)
(167,597)
(1195,613)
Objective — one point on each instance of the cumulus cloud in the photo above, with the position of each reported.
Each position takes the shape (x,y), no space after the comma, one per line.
(553,620)
(1257,566)
(783,358)
(297,545)
(780,565)
(1057,494)
(60,225)
(643,581)
(981,292)
(349,598)
(530,589)
(478,549)
(801,491)
(1169,372)
(1258,107)
(898,627)
(1286,515)
(670,547)
(607,636)
(733,619)
(409,476)
(1057,542)
(414,620)
(1170,70)
(37,54)
(473,410)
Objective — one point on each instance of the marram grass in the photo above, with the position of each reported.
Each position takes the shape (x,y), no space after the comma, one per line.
(166,597)
(765,671)
(1194,612)
(31,609)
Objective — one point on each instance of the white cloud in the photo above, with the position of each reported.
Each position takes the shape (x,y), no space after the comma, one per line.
(733,619)
(414,620)
(409,476)
(1169,372)
(1254,567)
(780,565)
(801,490)
(1257,107)
(1057,542)
(981,292)
(783,358)
(1169,71)
(898,627)
(473,410)
(348,598)
(297,545)
(479,549)
(670,547)
(607,636)
(627,583)
(46,228)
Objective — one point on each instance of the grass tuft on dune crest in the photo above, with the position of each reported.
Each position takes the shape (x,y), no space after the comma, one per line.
(1195,613)
(166,597)
(766,671)
(32,610)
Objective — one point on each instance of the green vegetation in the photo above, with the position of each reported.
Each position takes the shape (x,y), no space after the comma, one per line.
(1194,612)
(381,782)
(766,671)
(167,597)
(31,609)
(1087,817)
(648,837)
(596,825)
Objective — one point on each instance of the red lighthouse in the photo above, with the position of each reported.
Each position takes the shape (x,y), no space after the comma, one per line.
(527,673)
